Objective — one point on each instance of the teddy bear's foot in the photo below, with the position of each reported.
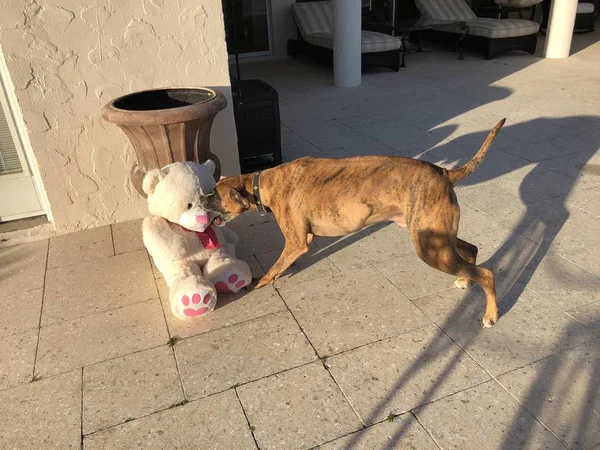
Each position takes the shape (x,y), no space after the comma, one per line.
(197,305)
(232,281)
(192,297)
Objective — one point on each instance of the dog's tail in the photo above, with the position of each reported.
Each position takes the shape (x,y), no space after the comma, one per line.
(455,175)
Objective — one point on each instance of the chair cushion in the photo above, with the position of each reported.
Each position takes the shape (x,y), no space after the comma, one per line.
(445,9)
(494,28)
(518,3)
(585,8)
(313,17)
(371,41)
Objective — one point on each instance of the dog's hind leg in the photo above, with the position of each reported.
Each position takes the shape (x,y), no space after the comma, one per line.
(469,252)
(296,244)
(438,249)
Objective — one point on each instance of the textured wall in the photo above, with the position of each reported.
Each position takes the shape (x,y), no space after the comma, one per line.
(67,58)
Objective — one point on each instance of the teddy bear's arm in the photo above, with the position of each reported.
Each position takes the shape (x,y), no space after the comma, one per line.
(161,241)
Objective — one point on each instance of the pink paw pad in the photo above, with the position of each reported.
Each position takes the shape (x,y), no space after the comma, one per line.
(206,300)
(222,287)
(185,300)
(233,283)
(189,312)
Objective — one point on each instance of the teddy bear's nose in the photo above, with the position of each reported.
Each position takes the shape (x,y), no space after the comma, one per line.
(203,219)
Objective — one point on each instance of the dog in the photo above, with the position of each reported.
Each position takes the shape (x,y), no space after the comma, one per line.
(336,197)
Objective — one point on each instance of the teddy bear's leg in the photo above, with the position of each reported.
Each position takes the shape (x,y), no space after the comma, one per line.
(191,296)
(226,272)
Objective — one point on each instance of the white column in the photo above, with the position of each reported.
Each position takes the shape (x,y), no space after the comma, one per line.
(560,29)
(346,43)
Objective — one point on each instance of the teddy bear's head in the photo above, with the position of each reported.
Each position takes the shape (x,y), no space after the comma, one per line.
(182,193)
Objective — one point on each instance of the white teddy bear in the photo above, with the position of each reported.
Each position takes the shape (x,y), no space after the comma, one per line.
(196,258)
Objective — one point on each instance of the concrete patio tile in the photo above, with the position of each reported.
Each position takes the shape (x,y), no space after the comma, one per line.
(404,433)
(215,422)
(224,358)
(350,309)
(127,236)
(355,121)
(563,283)
(474,222)
(496,164)
(17,353)
(578,232)
(22,267)
(377,243)
(485,415)
(579,166)
(80,247)
(101,336)
(587,258)
(231,309)
(413,277)
(398,374)
(334,153)
(585,199)
(399,136)
(313,264)
(15,316)
(132,386)
(317,129)
(589,315)
(507,208)
(95,286)
(353,141)
(536,185)
(255,268)
(297,409)
(261,238)
(562,392)
(529,329)
(43,414)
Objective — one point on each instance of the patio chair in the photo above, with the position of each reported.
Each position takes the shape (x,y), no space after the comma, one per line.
(488,36)
(314,22)
(587,14)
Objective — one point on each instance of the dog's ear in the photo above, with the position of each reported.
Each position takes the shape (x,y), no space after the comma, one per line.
(239,198)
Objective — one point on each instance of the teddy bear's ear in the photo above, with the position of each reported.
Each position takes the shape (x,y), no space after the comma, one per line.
(151,180)
(210,165)
(239,198)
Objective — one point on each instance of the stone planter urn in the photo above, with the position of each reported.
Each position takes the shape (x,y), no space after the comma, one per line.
(166,126)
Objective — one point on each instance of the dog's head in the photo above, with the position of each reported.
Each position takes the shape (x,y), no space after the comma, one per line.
(233,199)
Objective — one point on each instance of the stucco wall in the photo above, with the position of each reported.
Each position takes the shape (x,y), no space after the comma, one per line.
(67,58)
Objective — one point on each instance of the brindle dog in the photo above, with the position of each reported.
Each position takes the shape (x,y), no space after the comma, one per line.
(336,197)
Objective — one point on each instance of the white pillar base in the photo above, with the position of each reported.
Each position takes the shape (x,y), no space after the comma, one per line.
(346,43)
(560,29)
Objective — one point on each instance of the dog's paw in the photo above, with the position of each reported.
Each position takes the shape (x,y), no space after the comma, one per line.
(489,319)
(462,283)
(232,281)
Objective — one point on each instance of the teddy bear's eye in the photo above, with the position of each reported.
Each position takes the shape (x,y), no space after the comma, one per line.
(189,206)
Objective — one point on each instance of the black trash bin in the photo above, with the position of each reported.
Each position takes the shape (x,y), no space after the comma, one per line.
(256,110)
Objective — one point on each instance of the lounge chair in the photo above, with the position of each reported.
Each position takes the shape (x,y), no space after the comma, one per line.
(585,18)
(314,21)
(488,36)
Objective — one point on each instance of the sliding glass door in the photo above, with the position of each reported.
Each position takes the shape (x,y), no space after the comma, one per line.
(248,27)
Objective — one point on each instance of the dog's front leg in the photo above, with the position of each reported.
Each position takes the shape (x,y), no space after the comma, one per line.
(291,252)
